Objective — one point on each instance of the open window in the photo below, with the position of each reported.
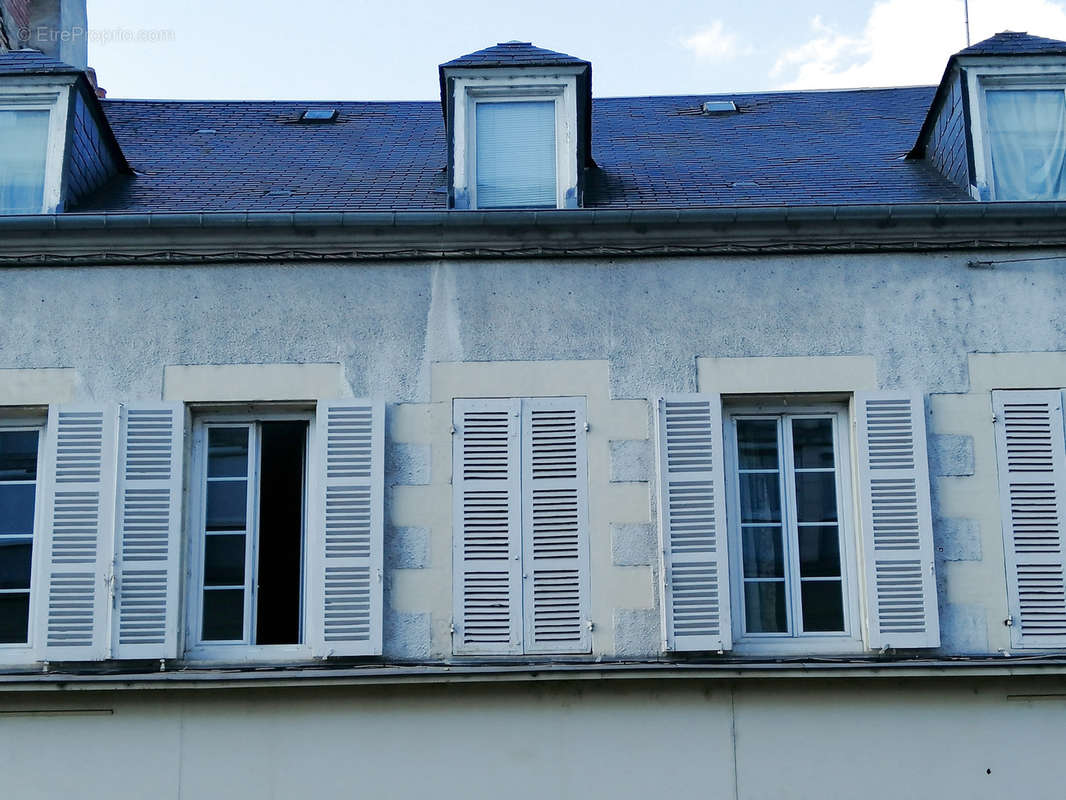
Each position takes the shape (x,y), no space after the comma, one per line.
(250,532)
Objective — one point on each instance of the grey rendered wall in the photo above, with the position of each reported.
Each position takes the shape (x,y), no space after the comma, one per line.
(918,316)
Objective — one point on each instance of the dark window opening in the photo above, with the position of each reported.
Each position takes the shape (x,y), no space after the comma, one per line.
(281,514)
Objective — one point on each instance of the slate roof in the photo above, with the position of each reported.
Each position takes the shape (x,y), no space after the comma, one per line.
(1015,43)
(21,62)
(822,147)
(514,54)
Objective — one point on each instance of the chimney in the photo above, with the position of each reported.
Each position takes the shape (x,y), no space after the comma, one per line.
(57,28)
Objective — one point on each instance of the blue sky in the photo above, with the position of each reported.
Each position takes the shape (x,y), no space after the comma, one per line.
(357,50)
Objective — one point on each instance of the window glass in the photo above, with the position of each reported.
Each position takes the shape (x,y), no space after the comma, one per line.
(23,143)
(515,157)
(18,500)
(1027,141)
(786,476)
(252,554)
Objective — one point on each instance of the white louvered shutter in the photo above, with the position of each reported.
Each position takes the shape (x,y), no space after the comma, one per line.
(897,524)
(555,569)
(1031,455)
(486,505)
(73,612)
(148,534)
(692,524)
(346,546)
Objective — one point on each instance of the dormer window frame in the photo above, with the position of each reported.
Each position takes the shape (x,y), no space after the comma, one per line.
(982,78)
(472,87)
(34,96)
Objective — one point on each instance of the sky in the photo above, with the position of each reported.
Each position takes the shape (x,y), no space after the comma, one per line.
(358,50)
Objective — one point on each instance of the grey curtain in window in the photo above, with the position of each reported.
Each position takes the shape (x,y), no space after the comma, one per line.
(1027,136)
(23,141)
(516,154)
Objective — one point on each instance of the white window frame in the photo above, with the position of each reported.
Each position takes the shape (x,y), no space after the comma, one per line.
(195,648)
(544,84)
(56,103)
(22,652)
(795,642)
(981,78)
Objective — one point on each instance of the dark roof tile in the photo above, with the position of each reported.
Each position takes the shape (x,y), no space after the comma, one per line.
(514,54)
(783,148)
(1015,43)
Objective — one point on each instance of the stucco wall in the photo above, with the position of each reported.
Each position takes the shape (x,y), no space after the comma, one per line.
(621,740)
(914,318)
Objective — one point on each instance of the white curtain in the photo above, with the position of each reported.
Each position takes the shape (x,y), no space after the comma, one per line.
(1027,134)
(23,141)
(516,154)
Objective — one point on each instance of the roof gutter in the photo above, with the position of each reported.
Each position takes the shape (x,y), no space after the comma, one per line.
(226,237)
(385,675)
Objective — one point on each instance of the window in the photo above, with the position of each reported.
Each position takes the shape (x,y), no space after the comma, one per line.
(760,545)
(1027,142)
(520,477)
(515,153)
(24,133)
(790,523)
(19,453)
(250,532)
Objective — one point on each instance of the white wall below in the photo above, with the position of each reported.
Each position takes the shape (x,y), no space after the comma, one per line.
(802,739)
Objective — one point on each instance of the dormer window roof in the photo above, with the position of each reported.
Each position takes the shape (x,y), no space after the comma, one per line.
(997,126)
(518,120)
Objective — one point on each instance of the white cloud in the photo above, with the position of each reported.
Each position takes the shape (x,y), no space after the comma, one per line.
(713,43)
(907,42)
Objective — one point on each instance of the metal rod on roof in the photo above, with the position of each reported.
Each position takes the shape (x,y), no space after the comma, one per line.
(966,13)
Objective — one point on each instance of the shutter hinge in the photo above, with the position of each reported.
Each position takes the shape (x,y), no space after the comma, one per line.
(381,576)
(587,426)
(590,625)
(109,582)
(995,419)
(451,629)
(452,430)
(1009,621)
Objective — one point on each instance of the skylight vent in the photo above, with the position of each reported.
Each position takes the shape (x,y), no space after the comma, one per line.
(319,115)
(719,107)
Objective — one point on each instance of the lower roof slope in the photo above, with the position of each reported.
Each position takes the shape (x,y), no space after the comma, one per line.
(784,148)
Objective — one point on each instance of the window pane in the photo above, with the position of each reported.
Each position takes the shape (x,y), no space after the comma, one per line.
(16,507)
(816,496)
(764,607)
(224,560)
(227,505)
(22,158)
(15,563)
(14,618)
(812,443)
(1027,140)
(18,455)
(760,497)
(516,154)
(227,452)
(757,443)
(223,615)
(823,606)
(819,551)
(764,552)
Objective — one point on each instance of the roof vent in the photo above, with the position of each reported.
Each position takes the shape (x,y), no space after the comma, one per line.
(719,107)
(319,115)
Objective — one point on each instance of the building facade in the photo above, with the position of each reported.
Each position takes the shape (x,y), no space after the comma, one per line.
(554,447)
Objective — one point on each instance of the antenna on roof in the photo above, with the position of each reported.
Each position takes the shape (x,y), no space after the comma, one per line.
(966,13)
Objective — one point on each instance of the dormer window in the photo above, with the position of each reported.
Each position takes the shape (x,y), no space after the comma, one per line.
(518,128)
(997,125)
(1026,146)
(22,160)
